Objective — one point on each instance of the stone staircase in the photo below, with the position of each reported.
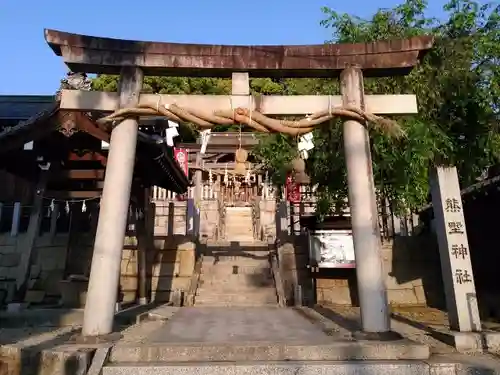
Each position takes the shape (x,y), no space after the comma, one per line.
(235,275)
(239,225)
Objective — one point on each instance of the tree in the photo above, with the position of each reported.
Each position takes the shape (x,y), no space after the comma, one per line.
(458,90)
(457,86)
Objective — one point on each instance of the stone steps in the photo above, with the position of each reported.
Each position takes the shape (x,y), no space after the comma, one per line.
(239,224)
(237,281)
(151,353)
(236,276)
(253,245)
(206,289)
(238,293)
(256,296)
(234,260)
(227,269)
(285,368)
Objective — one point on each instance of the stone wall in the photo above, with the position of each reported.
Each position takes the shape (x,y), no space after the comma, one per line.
(49,260)
(170,265)
(411,263)
(170,218)
(413,275)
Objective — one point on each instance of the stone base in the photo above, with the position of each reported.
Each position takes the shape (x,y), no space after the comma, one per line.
(468,342)
(33,360)
(476,342)
(492,341)
(377,336)
(93,340)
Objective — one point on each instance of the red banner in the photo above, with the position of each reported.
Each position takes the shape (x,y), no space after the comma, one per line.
(181,155)
(292,190)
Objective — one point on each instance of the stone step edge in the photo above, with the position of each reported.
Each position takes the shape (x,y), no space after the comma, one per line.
(303,367)
(271,351)
(234,293)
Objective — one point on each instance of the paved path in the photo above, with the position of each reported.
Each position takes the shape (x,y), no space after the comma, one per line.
(235,324)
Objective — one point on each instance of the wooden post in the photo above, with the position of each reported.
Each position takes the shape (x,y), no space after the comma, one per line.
(363,205)
(458,278)
(144,243)
(16,218)
(53,222)
(198,196)
(108,246)
(23,269)
(190,217)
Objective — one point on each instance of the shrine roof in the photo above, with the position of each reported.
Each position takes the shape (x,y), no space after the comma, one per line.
(21,107)
(90,54)
(37,118)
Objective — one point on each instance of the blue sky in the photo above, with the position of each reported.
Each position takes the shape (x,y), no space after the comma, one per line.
(28,65)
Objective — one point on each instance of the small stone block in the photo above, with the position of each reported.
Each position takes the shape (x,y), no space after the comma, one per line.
(492,341)
(468,342)
(16,307)
(186,246)
(177,297)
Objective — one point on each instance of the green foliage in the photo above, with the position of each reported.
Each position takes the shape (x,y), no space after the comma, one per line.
(457,86)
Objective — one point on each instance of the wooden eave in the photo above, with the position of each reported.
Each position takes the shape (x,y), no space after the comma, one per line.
(155,164)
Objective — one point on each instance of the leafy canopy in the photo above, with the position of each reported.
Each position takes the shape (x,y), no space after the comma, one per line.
(457,86)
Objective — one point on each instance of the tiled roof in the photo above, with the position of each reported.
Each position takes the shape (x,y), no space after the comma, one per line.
(22,107)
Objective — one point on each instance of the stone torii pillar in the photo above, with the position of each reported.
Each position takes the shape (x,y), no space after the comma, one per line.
(108,246)
(363,206)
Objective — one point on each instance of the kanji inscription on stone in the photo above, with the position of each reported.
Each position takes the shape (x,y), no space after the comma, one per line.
(455,227)
(453,205)
(454,251)
(463,276)
(459,251)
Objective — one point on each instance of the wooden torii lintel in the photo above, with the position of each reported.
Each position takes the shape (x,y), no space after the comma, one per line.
(89,54)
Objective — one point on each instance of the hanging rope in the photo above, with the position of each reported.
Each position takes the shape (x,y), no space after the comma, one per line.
(253,118)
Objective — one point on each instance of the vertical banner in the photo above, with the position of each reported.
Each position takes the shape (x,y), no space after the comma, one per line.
(181,156)
(292,190)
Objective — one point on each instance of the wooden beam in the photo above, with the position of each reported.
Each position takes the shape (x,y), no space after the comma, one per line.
(215,149)
(269,105)
(221,166)
(89,156)
(87,125)
(81,174)
(73,194)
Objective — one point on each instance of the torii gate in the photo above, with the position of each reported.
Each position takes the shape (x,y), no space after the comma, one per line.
(134,59)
